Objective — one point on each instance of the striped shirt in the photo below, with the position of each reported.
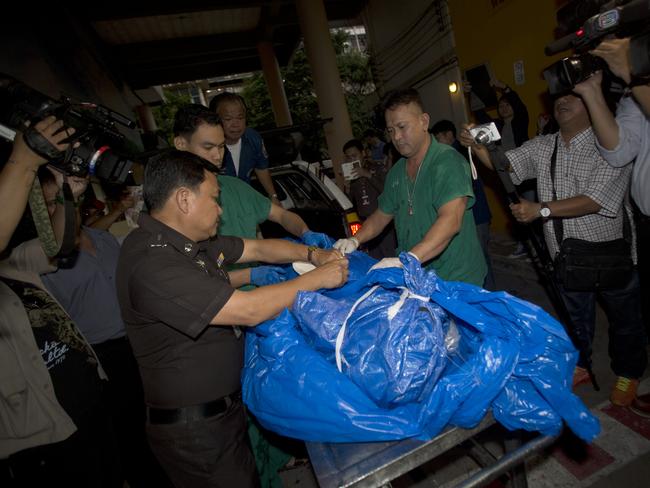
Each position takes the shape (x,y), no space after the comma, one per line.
(579,170)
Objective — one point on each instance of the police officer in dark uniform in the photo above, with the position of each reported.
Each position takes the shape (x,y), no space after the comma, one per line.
(182,311)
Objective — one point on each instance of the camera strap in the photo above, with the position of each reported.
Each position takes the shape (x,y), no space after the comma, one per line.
(44,224)
(558,227)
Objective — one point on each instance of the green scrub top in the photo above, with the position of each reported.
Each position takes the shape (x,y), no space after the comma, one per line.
(444,176)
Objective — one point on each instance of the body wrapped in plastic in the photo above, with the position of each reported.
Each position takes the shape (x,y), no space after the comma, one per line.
(413,355)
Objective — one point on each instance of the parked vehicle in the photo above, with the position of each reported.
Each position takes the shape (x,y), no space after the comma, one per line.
(305,189)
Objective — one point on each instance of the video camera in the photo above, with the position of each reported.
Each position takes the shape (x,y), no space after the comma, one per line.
(585,23)
(95,131)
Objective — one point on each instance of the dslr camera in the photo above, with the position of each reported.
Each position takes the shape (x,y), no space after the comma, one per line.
(586,23)
(100,147)
(485,133)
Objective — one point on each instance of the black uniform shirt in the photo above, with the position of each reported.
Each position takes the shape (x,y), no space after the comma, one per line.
(170,288)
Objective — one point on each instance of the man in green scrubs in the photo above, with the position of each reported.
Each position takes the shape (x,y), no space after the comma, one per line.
(429,195)
(199,131)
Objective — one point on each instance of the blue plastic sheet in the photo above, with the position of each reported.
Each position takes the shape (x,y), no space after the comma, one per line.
(394,350)
(410,377)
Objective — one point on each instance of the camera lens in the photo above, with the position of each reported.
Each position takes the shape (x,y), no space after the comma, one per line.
(483,137)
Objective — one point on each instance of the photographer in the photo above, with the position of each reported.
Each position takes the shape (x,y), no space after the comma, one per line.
(18,175)
(625,138)
(616,53)
(622,140)
(582,199)
(53,427)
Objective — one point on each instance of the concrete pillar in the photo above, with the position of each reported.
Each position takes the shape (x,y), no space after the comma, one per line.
(327,82)
(202,100)
(149,128)
(146,118)
(273,79)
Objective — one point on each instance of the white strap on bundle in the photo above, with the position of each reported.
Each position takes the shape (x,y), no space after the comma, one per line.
(392,312)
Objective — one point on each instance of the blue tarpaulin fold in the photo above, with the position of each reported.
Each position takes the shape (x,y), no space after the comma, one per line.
(399,353)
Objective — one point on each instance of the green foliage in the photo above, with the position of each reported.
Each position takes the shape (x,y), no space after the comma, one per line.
(256,95)
(356,80)
(164,114)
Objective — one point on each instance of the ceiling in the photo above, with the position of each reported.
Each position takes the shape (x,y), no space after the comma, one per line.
(152,44)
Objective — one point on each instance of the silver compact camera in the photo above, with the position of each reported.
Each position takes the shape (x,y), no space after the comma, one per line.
(485,133)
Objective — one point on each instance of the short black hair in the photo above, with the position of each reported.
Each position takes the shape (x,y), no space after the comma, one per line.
(189,117)
(443,126)
(402,97)
(226,97)
(353,143)
(171,170)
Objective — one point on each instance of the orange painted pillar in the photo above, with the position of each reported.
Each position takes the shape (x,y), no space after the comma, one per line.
(327,81)
(273,78)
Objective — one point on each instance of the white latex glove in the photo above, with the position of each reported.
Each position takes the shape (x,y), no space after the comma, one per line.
(387,263)
(391,263)
(346,246)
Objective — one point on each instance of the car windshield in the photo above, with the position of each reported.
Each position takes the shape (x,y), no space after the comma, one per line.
(302,191)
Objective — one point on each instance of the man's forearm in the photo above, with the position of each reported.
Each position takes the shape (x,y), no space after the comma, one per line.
(265,179)
(18,174)
(277,251)
(441,233)
(292,223)
(239,277)
(105,221)
(372,226)
(602,120)
(642,95)
(573,207)
(16,182)
(250,308)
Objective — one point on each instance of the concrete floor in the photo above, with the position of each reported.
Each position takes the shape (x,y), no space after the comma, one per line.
(620,456)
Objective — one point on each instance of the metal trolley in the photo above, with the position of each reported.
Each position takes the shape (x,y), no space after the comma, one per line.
(375,464)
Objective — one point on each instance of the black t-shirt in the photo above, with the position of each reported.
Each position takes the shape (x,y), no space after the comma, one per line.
(68,357)
(364,192)
(170,288)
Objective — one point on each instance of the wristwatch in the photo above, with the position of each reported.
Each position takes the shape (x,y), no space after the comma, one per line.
(545,211)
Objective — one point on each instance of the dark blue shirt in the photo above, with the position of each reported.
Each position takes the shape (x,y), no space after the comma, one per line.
(253,156)
(377,152)
(87,290)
